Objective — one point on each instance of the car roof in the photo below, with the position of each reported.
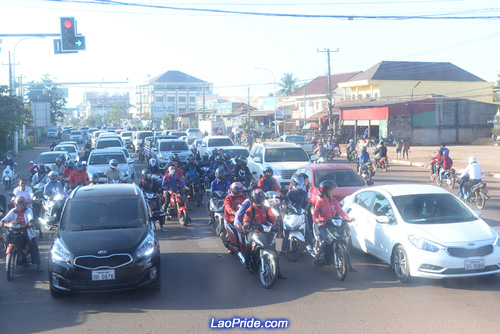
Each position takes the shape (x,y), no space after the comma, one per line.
(108,150)
(278,144)
(171,140)
(234,147)
(53,153)
(212,137)
(409,189)
(107,190)
(315,167)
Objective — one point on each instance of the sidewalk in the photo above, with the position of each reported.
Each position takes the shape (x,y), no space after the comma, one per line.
(487,156)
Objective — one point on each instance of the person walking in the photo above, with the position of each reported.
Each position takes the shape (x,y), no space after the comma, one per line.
(406,148)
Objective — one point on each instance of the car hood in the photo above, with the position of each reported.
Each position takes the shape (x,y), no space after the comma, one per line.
(451,233)
(103,168)
(285,165)
(113,241)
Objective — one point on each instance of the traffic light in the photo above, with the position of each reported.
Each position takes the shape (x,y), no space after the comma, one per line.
(70,40)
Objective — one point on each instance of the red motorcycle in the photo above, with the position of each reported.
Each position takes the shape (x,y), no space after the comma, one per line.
(233,241)
(431,165)
(177,206)
(382,163)
(17,252)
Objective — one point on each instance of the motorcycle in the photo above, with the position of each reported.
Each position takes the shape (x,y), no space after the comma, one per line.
(336,252)
(336,151)
(448,178)
(352,156)
(177,207)
(207,180)
(273,201)
(366,170)
(155,210)
(8,176)
(263,257)
(17,252)
(232,240)
(217,207)
(382,163)
(196,191)
(431,165)
(294,225)
(478,195)
(51,210)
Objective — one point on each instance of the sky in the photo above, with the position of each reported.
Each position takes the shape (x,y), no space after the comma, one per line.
(128,43)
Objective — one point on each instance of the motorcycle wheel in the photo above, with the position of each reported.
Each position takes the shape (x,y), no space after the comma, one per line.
(295,250)
(450,182)
(438,182)
(184,219)
(480,201)
(384,166)
(340,263)
(268,272)
(198,199)
(218,228)
(11,262)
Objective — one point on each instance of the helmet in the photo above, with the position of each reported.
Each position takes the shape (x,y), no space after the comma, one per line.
(243,161)
(41,168)
(268,172)
(472,160)
(219,157)
(193,149)
(174,157)
(9,156)
(440,150)
(220,173)
(53,175)
(152,162)
(20,200)
(78,164)
(113,163)
(94,178)
(236,189)
(351,140)
(191,158)
(364,149)
(298,181)
(205,156)
(257,197)
(381,142)
(326,186)
(146,173)
(58,160)
(70,164)
(227,156)
(445,152)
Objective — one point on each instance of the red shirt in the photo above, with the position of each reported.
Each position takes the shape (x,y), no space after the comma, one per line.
(326,208)
(446,161)
(231,206)
(20,219)
(274,185)
(78,177)
(178,172)
(67,172)
(260,215)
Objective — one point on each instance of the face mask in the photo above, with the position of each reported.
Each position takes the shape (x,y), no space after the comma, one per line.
(171,172)
(299,186)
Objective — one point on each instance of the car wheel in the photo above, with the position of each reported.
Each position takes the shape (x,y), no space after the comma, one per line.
(401,265)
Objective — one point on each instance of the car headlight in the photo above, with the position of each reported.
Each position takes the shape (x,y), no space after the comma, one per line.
(425,244)
(146,248)
(497,240)
(59,252)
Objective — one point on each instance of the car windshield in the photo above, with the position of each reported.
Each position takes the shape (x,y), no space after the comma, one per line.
(48,158)
(103,213)
(343,178)
(174,146)
(284,154)
(237,151)
(295,139)
(69,148)
(108,143)
(103,158)
(126,134)
(220,142)
(142,135)
(77,133)
(178,134)
(432,209)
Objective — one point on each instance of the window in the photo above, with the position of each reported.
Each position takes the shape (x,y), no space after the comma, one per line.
(192,99)
(159,99)
(171,99)
(182,99)
(286,154)
(103,159)
(382,207)
(364,199)
(343,178)
(220,142)
(174,146)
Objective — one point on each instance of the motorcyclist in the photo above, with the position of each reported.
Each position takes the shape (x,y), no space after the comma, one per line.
(213,155)
(233,202)
(438,158)
(113,173)
(86,155)
(174,161)
(227,160)
(351,147)
(193,170)
(205,161)
(53,145)
(320,151)
(258,213)
(59,166)
(153,166)
(268,182)
(445,149)
(172,183)
(68,171)
(41,176)
(8,161)
(241,170)
(380,152)
(94,179)
(219,163)
(24,215)
(297,197)
(150,184)
(446,164)
(327,207)
(24,191)
(54,187)
(79,176)
(329,146)
(471,176)
(219,184)
(363,158)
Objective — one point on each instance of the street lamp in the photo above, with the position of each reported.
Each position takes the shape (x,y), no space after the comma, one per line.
(14,55)
(275,100)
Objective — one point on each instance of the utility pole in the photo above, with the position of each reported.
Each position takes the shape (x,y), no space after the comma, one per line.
(329,93)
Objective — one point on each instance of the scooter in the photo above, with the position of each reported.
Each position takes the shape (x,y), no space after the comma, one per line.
(366,170)
(382,163)
(17,252)
(294,225)
(8,176)
(217,207)
(177,207)
(336,151)
(448,178)
(352,156)
(51,210)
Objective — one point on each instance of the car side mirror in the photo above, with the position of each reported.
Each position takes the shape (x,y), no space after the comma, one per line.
(203,144)
(132,156)
(383,220)
(31,162)
(257,160)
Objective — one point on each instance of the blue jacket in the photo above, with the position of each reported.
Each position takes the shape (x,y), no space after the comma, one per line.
(241,212)
(364,157)
(222,186)
(297,198)
(173,183)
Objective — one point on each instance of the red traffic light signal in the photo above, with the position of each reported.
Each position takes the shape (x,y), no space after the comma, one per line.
(68,24)
(70,40)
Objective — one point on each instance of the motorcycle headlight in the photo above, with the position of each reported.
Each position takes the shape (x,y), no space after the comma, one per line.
(146,248)
(59,252)
(51,204)
(425,244)
(58,197)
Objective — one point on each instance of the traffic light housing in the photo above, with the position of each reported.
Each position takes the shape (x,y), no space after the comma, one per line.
(70,40)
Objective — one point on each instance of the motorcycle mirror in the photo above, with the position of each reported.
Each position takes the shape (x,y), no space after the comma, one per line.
(369,182)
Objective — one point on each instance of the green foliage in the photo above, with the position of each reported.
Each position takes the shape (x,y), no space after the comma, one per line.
(169,122)
(247,124)
(117,114)
(47,91)
(13,113)
(288,85)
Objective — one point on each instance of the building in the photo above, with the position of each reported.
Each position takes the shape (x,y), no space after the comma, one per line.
(170,93)
(101,103)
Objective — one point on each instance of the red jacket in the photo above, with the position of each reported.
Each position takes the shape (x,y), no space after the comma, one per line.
(274,187)
(231,206)
(326,208)
(260,215)
(446,161)
(77,177)
(67,172)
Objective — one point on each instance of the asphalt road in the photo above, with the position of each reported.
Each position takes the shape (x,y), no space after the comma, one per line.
(202,281)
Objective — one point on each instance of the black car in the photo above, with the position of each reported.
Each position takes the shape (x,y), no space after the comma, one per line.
(105,241)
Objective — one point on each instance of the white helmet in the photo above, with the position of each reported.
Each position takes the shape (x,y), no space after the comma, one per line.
(53,175)
(113,163)
(472,159)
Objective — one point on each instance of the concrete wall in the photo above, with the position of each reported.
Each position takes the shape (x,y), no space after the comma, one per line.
(400,126)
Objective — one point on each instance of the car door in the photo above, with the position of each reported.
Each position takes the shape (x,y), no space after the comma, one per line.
(362,228)
(384,226)
(252,164)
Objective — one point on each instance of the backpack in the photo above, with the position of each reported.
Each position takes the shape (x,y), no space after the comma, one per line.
(253,214)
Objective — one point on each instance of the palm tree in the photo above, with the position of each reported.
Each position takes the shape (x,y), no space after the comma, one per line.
(288,84)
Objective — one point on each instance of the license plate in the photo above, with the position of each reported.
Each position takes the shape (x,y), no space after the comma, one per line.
(474,264)
(103,275)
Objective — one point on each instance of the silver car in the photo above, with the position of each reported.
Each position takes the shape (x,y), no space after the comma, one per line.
(99,163)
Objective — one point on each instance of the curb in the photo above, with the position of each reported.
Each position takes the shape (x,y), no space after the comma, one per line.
(420,164)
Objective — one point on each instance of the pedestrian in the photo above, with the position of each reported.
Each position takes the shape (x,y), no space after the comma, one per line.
(406,148)
(399,147)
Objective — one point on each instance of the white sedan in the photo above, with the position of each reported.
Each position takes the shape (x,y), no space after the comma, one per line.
(422,231)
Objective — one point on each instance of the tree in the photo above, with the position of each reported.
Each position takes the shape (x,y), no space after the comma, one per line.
(13,114)
(288,84)
(169,122)
(47,91)
(247,124)
(118,113)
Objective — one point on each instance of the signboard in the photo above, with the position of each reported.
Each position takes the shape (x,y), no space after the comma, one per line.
(266,104)
(279,112)
(41,114)
(225,108)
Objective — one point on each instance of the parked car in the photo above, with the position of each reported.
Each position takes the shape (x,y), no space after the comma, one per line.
(283,158)
(99,163)
(106,241)
(209,143)
(422,231)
